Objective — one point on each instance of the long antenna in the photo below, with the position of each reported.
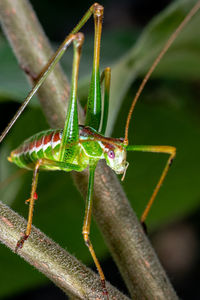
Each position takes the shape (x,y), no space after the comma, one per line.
(155,63)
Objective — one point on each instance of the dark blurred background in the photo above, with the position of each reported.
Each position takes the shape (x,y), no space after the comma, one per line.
(181,260)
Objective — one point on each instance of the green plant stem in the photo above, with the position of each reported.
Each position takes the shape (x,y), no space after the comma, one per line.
(126,240)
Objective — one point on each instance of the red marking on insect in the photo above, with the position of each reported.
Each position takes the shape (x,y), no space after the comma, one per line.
(35,196)
(48,138)
(56,137)
(38,143)
(31,145)
(108,147)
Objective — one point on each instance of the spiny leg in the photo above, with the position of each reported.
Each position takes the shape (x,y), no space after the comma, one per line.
(94,9)
(31,201)
(38,82)
(156,149)
(87,223)
(105,76)
(33,197)
(93,114)
(70,136)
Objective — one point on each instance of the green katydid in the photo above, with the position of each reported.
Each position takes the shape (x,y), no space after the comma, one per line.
(77,147)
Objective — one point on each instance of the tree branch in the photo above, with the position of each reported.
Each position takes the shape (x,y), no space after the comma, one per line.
(53,261)
(127,242)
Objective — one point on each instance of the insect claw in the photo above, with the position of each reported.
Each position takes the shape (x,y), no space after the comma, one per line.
(20,243)
(105,292)
(144,226)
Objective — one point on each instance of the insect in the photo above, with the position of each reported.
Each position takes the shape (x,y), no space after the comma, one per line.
(76,146)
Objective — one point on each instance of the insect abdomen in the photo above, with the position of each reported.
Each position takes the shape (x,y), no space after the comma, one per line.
(45,144)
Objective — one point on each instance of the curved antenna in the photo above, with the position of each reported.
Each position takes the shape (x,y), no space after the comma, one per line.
(155,63)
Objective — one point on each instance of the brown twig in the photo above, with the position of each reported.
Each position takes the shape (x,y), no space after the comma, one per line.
(128,244)
(57,264)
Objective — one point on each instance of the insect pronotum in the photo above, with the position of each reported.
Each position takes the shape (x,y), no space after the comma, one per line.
(77,147)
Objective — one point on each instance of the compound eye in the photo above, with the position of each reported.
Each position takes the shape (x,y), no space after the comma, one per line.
(111,154)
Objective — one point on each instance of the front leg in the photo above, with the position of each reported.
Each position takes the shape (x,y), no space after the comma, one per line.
(31,201)
(156,149)
(33,197)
